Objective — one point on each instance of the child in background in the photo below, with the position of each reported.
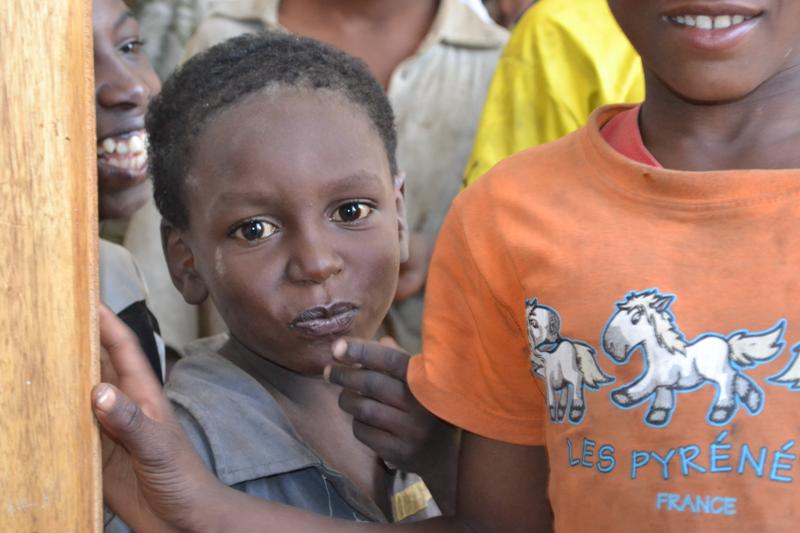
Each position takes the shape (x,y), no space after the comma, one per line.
(124,84)
(564,59)
(273,166)
(625,298)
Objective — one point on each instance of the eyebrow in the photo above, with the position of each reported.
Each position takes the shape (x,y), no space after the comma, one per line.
(331,187)
(123,19)
(352,180)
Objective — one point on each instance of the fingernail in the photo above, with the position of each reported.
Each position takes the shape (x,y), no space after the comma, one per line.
(339,348)
(104,398)
(326,373)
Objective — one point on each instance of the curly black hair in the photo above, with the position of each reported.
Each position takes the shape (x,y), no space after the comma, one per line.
(224,75)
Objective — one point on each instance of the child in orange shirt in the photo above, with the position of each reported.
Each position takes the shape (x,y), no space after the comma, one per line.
(614,316)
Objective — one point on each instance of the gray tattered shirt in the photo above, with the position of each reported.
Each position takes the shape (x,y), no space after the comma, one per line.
(242,435)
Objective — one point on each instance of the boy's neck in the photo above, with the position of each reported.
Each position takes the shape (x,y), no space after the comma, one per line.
(383,33)
(378,11)
(292,386)
(312,407)
(759,131)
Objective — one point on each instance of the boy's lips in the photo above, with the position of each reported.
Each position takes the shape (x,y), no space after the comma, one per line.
(714,26)
(325,321)
(125,153)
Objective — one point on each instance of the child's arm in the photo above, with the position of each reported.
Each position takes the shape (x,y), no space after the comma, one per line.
(155,482)
(143,445)
(388,419)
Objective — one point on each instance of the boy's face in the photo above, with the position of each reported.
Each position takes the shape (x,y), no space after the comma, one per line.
(711,50)
(124,84)
(296,229)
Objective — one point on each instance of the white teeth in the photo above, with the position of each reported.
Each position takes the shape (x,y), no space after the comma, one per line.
(109,145)
(114,162)
(136,144)
(707,22)
(721,22)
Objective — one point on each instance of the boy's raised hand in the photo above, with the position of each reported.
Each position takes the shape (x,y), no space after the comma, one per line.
(388,419)
(150,469)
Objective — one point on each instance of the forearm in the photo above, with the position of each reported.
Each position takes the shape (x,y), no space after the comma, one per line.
(441,477)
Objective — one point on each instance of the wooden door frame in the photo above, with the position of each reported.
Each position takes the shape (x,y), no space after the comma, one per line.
(49,450)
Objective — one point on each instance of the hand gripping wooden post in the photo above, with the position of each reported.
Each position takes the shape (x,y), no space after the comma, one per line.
(49,452)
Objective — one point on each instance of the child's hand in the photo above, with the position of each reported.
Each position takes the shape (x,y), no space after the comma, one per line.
(152,477)
(388,419)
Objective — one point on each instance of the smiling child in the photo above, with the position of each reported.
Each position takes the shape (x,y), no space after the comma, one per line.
(124,84)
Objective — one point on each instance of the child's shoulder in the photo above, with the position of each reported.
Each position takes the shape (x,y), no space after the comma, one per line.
(121,281)
(527,193)
(526,175)
(204,379)
(533,174)
(232,420)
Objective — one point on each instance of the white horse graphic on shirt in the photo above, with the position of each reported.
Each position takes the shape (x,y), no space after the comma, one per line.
(566,365)
(790,376)
(643,322)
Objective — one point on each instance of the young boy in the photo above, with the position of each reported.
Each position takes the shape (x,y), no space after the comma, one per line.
(273,166)
(435,59)
(625,298)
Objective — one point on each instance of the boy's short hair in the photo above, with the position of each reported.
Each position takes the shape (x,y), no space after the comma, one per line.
(225,74)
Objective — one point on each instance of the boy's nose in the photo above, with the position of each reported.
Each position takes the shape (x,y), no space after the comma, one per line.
(123,90)
(313,260)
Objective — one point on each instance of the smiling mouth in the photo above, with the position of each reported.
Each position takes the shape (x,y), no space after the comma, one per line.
(127,152)
(325,321)
(709,22)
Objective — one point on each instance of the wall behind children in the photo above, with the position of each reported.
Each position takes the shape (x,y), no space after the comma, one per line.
(49,466)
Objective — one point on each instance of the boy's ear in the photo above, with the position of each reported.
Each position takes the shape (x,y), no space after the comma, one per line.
(180,262)
(402,223)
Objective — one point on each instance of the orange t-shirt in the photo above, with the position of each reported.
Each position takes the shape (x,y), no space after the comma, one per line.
(641,323)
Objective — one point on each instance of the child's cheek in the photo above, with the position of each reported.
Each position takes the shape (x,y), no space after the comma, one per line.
(219,263)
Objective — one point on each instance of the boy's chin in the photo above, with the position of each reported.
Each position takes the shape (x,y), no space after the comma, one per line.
(313,366)
(121,205)
(703,84)
(712,94)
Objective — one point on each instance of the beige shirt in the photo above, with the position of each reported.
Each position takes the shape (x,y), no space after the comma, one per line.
(437,95)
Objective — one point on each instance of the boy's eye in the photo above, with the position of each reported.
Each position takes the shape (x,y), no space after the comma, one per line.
(254,230)
(132,47)
(352,211)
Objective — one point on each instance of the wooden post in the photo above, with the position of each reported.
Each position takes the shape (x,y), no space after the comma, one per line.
(49,452)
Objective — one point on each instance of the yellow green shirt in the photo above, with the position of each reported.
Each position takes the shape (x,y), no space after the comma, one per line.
(565,58)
